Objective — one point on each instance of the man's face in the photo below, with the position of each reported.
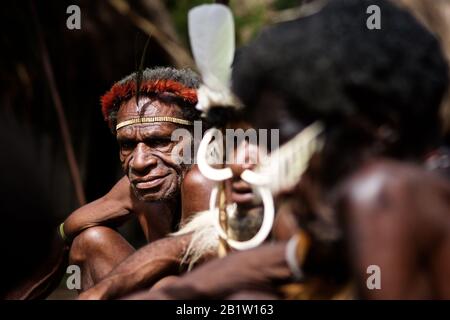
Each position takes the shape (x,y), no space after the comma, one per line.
(145,150)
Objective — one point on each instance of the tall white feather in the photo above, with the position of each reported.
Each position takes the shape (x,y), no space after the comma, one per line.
(211,32)
(212,38)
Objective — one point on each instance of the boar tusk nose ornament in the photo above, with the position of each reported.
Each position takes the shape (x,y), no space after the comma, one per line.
(212,37)
(279,171)
(212,151)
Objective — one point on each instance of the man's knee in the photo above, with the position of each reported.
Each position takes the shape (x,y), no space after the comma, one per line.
(90,242)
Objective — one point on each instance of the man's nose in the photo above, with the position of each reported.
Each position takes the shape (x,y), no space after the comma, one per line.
(246,158)
(143,160)
(238,168)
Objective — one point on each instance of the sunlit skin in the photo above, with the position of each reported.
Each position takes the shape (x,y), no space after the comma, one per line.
(162,195)
(146,150)
(147,263)
(152,192)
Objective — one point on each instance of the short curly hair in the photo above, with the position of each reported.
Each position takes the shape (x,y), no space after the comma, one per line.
(181,84)
(330,66)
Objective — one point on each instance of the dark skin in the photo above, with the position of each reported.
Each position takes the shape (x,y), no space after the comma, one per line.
(148,265)
(157,262)
(237,273)
(402,226)
(146,151)
(144,268)
(96,246)
(393,214)
(152,191)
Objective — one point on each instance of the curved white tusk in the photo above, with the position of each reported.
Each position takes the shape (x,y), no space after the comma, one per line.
(254,178)
(213,198)
(266,226)
(208,171)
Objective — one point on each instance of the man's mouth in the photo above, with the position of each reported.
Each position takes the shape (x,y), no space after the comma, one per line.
(243,195)
(149,182)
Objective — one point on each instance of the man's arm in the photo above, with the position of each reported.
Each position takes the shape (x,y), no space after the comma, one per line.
(262,269)
(142,269)
(159,258)
(112,209)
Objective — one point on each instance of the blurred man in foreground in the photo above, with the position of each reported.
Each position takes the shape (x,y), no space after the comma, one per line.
(365,200)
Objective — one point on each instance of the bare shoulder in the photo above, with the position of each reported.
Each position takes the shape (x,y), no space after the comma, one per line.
(195,191)
(387,184)
(194,178)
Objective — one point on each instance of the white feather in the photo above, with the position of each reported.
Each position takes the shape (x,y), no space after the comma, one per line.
(212,37)
(205,238)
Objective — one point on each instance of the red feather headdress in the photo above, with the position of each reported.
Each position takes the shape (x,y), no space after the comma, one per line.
(121,92)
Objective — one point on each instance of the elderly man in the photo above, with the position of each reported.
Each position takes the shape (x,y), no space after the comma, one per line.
(158,263)
(157,189)
(162,189)
(143,120)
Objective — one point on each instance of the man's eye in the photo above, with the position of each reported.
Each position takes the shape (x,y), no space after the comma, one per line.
(126,145)
(159,143)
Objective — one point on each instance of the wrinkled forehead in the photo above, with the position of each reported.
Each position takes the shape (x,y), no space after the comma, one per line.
(147,131)
(147,107)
